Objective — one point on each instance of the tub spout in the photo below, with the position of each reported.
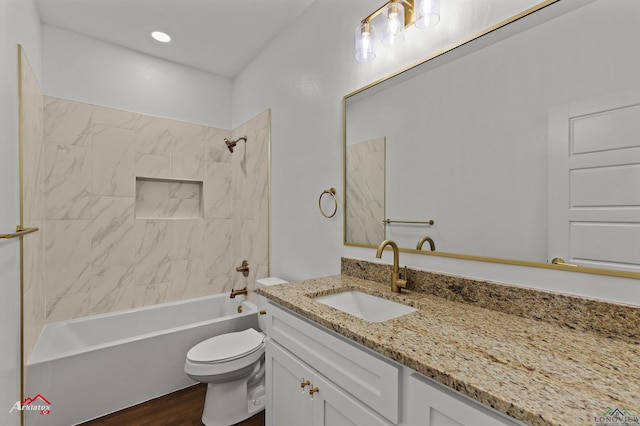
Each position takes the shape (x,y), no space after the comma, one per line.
(234,293)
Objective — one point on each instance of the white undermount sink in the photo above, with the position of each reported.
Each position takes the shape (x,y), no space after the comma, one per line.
(365,306)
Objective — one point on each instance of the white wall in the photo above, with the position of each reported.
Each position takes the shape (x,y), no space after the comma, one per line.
(302,76)
(81,68)
(19,24)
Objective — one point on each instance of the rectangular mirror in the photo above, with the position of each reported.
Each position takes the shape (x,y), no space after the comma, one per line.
(490,141)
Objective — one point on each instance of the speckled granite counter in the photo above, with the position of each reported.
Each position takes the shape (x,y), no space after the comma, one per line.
(536,371)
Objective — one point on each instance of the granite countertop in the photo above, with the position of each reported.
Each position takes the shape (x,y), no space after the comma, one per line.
(537,372)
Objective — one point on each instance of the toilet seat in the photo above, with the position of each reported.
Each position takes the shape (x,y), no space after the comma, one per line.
(226,347)
(226,355)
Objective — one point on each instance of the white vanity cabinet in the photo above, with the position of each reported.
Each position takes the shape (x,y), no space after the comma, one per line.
(288,400)
(356,383)
(293,402)
(352,384)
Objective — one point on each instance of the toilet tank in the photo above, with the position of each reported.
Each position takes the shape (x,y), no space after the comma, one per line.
(262,301)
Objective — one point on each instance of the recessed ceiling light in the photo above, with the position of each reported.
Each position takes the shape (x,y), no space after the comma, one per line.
(160,36)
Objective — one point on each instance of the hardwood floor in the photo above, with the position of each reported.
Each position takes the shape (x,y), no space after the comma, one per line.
(181,408)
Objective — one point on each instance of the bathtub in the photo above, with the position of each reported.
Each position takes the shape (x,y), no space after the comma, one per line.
(88,367)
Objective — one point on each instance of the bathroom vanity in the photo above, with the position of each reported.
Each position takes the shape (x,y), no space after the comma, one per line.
(447,363)
(315,375)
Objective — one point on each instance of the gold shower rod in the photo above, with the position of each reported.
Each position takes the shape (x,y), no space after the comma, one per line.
(20,231)
(420,222)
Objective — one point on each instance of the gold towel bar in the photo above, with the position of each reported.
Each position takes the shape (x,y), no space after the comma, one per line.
(20,231)
(425,222)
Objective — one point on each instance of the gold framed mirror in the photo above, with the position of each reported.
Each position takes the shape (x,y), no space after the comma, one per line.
(472,136)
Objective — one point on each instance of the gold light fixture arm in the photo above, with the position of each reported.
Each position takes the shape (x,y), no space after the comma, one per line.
(20,231)
(408,12)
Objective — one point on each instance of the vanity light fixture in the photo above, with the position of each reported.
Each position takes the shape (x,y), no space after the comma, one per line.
(161,36)
(365,33)
(394,28)
(398,15)
(426,13)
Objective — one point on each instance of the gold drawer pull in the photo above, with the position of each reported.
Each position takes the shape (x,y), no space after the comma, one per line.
(304,384)
(314,390)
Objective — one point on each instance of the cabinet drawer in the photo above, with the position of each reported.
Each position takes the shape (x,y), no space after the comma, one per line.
(367,376)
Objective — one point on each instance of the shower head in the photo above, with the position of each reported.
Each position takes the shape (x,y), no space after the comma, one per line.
(231,144)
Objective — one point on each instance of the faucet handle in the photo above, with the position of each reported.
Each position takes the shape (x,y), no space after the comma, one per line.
(244,268)
(402,283)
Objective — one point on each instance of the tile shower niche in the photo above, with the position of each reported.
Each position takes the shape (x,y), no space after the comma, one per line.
(168,198)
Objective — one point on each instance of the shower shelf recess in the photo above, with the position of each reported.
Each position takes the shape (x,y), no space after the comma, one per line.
(168,199)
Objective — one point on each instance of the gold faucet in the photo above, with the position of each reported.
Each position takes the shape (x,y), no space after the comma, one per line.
(234,293)
(396,283)
(432,245)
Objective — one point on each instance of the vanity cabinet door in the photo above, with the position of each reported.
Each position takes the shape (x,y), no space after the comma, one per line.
(291,402)
(373,379)
(333,406)
(288,403)
(433,404)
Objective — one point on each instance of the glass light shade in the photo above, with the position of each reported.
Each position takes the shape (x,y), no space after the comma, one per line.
(365,49)
(426,13)
(394,29)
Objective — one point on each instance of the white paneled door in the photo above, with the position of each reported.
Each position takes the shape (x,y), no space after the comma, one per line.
(594,182)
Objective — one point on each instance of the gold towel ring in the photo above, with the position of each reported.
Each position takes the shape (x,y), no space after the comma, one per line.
(332,192)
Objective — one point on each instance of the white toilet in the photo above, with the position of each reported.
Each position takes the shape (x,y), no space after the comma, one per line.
(233,366)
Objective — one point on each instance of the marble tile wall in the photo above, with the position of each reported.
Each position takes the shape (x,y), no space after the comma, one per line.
(98,257)
(250,219)
(31,120)
(366,192)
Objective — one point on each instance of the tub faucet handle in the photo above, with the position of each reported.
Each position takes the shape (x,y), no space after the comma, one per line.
(244,268)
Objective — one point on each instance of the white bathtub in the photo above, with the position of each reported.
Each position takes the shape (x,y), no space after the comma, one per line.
(92,366)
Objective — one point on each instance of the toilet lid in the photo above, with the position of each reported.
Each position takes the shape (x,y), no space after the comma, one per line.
(226,347)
